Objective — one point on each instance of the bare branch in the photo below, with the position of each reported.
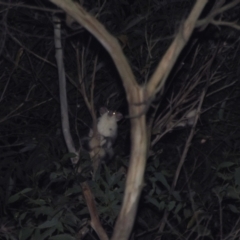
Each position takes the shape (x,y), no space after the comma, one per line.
(160,75)
(216,11)
(63,93)
(95,222)
(136,96)
(227,24)
(107,40)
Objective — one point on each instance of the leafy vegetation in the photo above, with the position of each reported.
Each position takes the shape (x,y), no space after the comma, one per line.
(191,189)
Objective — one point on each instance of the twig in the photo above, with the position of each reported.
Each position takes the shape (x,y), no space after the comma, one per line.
(227,24)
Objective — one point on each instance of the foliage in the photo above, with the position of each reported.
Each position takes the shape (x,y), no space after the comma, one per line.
(40,195)
(51,205)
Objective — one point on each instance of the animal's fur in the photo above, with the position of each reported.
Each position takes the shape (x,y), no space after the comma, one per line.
(101,142)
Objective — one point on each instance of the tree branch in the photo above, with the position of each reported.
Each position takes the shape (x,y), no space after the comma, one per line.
(160,75)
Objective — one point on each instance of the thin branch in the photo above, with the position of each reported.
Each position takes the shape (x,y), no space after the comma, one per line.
(227,24)
(136,96)
(190,137)
(19,5)
(62,89)
(95,222)
(215,12)
(225,8)
(160,75)
(105,38)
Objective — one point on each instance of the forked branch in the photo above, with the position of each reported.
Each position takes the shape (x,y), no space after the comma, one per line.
(137,97)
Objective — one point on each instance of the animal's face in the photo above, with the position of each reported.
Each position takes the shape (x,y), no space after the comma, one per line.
(117,115)
(107,123)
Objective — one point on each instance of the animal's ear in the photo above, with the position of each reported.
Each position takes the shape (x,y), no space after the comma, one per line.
(119,116)
(103,110)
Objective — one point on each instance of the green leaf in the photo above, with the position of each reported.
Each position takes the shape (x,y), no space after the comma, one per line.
(49,223)
(22,216)
(153,201)
(156,163)
(67,172)
(40,202)
(178,208)
(54,175)
(74,190)
(26,190)
(224,176)
(67,156)
(16,196)
(108,176)
(62,237)
(60,227)
(225,165)
(232,193)
(176,195)
(160,177)
(44,210)
(233,208)
(237,176)
(202,231)
(48,233)
(58,166)
(25,233)
(162,205)
(171,205)
(187,213)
